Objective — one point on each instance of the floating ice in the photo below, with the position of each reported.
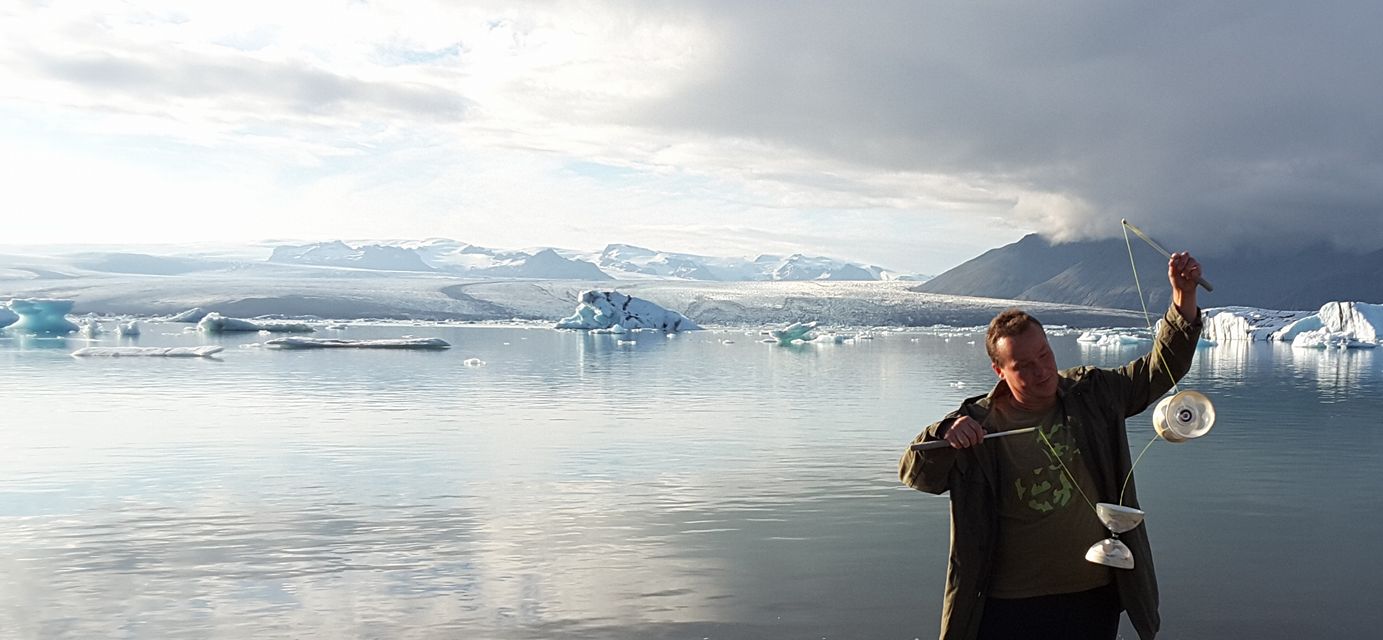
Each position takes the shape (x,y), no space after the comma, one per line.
(1228,324)
(163,352)
(333,343)
(793,332)
(194,314)
(216,323)
(473,362)
(42,316)
(1340,325)
(128,329)
(1108,338)
(610,309)
(7,317)
(89,329)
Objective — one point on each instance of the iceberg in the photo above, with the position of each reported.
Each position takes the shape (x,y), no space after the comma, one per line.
(610,309)
(89,329)
(1336,325)
(42,316)
(161,352)
(127,329)
(7,317)
(194,314)
(334,343)
(1105,338)
(217,323)
(1229,324)
(793,332)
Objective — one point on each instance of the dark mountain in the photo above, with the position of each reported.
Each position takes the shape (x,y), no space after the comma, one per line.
(1097,273)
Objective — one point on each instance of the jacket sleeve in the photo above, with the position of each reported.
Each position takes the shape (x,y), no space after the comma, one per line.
(929,471)
(1140,383)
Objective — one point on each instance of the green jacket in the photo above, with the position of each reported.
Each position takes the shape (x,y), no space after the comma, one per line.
(1095,402)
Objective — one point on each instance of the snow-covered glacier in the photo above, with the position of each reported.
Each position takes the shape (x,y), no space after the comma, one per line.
(601,310)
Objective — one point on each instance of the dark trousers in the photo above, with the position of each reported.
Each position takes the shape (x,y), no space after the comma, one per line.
(1086,615)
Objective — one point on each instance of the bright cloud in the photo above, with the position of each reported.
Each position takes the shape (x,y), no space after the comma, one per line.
(912,136)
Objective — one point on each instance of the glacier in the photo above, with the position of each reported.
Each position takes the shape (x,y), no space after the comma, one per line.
(42,316)
(603,310)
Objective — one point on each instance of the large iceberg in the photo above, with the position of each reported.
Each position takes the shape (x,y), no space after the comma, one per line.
(217,323)
(7,317)
(1337,325)
(597,310)
(42,316)
(1229,324)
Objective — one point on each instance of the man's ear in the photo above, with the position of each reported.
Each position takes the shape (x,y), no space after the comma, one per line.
(997,370)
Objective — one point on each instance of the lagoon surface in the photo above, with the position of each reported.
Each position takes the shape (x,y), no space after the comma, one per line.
(704,485)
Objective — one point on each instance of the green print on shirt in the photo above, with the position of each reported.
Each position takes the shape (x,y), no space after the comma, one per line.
(1042,496)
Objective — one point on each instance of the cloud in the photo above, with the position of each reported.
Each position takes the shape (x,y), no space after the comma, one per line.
(939,127)
(1254,120)
(281,87)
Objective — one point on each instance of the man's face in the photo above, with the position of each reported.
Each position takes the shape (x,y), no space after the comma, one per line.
(1026,363)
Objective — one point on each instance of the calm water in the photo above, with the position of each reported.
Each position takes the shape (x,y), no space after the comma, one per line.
(575,487)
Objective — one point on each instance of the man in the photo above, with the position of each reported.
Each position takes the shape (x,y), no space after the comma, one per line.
(1022,511)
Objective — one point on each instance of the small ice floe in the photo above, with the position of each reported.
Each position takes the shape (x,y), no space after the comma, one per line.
(959,384)
(336,327)
(154,352)
(127,329)
(727,342)
(473,362)
(89,329)
(865,335)
(192,315)
(337,343)
(626,342)
(793,332)
(1109,338)
(217,323)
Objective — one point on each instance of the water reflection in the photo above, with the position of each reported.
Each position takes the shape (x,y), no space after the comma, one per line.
(576,487)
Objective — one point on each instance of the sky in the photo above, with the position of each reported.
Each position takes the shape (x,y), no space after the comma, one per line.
(909,134)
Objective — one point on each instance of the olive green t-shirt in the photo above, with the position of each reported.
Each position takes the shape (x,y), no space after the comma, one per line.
(1045,526)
